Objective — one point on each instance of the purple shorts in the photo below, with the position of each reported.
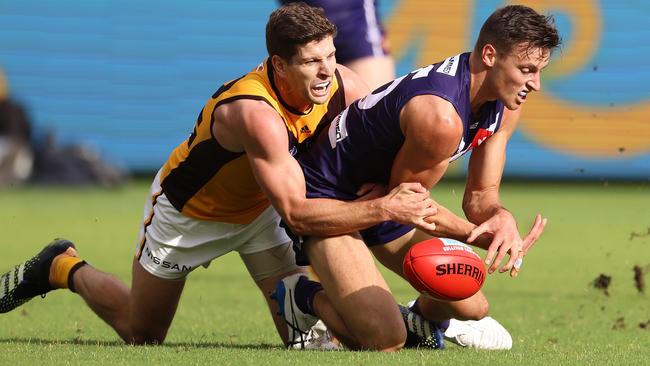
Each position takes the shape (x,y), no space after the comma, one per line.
(376,235)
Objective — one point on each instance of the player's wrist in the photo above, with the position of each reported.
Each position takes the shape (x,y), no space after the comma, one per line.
(382,209)
(501,211)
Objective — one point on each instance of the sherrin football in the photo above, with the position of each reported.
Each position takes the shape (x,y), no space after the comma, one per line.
(444,268)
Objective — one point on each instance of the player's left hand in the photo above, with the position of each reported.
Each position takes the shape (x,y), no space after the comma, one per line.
(505,239)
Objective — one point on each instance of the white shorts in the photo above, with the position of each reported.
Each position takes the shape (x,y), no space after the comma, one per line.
(171,245)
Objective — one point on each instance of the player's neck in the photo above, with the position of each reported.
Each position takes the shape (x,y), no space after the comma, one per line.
(290,96)
(478,89)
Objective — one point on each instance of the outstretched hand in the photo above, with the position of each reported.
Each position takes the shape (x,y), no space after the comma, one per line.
(506,240)
(408,203)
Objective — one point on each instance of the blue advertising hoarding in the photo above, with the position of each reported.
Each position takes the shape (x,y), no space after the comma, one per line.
(129,78)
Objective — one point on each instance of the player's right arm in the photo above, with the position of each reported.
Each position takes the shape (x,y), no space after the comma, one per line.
(256,128)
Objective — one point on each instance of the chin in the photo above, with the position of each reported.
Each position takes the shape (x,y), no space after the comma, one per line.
(513,106)
(319,100)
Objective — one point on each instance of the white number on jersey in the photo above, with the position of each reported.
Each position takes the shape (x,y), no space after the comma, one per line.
(371,100)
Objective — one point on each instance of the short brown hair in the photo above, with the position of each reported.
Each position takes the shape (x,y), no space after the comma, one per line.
(294,25)
(515,25)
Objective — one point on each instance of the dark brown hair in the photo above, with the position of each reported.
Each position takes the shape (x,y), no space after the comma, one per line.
(516,25)
(294,25)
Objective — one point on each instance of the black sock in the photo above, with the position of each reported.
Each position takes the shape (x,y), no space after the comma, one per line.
(72,272)
(304,295)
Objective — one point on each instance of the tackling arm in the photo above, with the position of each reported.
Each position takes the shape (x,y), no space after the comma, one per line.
(282,180)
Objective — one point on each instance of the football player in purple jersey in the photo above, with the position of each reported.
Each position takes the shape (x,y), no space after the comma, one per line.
(410,130)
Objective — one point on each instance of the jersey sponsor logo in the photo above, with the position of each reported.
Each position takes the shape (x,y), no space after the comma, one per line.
(449,66)
(337,130)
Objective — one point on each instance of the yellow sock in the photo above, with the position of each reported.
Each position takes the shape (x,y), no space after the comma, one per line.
(60,269)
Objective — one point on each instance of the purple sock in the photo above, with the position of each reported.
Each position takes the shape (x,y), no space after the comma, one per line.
(443,325)
(304,295)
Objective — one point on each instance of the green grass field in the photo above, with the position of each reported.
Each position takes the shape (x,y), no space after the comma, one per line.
(553,311)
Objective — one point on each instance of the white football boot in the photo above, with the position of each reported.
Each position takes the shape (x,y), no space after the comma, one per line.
(486,333)
(318,338)
(306,331)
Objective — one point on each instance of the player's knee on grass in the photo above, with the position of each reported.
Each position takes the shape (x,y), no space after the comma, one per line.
(391,342)
(148,336)
(375,322)
(381,336)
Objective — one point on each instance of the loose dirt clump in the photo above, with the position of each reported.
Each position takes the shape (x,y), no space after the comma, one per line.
(639,235)
(602,282)
(639,277)
(619,324)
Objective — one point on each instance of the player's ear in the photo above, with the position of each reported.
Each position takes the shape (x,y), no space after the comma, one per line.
(279,65)
(488,55)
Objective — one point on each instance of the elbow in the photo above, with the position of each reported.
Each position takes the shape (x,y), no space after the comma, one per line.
(297,229)
(294,223)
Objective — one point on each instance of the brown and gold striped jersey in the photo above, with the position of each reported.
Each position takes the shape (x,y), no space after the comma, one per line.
(205,181)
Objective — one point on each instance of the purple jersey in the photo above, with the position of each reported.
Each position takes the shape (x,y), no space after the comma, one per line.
(362,142)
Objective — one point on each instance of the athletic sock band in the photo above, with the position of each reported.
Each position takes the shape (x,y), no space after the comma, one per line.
(61,270)
(71,274)
(305,292)
(443,325)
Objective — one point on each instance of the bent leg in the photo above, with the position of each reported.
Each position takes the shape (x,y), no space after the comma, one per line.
(140,315)
(267,268)
(357,295)
(152,306)
(107,296)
